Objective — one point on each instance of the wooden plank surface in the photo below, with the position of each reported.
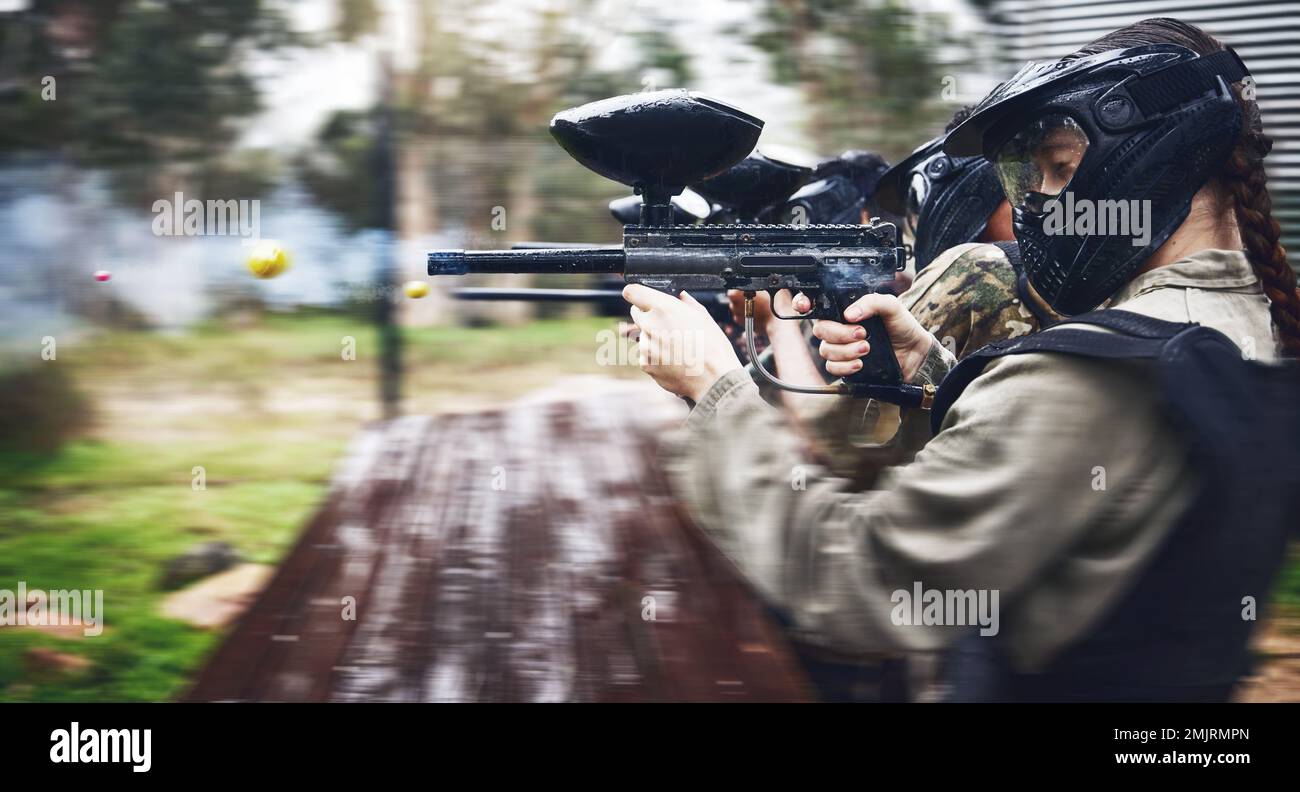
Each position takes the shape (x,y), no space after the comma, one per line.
(506,555)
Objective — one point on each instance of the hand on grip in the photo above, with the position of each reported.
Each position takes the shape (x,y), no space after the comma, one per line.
(886,330)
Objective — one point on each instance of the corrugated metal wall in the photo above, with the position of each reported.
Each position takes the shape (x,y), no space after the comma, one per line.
(1265,34)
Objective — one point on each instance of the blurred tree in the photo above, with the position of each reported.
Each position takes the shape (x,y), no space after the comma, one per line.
(660,52)
(357,18)
(474,109)
(490,68)
(336,171)
(156,85)
(870,68)
(41,408)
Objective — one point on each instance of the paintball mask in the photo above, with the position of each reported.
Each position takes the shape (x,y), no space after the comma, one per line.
(944,201)
(1100,157)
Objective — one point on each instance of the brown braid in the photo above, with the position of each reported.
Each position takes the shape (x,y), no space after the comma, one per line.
(1241,178)
(1244,179)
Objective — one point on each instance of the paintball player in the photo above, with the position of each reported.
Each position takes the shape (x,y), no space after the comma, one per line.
(968,298)
(965,293)
(1112,541)
(945,201)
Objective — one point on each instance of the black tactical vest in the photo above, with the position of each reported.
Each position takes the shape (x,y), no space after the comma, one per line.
(1178,634)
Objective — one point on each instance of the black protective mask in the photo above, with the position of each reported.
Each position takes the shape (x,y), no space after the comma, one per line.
(946,201)
(1100,157)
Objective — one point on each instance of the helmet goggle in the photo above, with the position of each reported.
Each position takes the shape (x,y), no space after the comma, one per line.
(925,174)
(918,190)
(1037,163)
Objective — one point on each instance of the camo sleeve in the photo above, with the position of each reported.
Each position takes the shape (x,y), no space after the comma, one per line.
(967,298)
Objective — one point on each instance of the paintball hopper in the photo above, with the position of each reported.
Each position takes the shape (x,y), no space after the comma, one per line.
(753,184)
(823,201)
(657,143)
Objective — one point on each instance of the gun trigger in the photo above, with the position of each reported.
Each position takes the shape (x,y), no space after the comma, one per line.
(779,315)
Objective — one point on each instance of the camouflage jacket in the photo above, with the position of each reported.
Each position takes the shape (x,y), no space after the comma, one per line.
(967,299)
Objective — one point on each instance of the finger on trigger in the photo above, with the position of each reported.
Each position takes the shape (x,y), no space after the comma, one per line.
(868,306)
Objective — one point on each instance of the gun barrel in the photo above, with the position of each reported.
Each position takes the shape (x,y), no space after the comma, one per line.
(538,295)
(562,261)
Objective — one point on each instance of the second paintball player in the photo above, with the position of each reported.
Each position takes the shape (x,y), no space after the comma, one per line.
(965,293)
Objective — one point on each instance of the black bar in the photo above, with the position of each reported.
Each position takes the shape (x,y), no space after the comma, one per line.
(302,745)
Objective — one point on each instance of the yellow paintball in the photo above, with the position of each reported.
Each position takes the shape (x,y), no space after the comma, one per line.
(268,259)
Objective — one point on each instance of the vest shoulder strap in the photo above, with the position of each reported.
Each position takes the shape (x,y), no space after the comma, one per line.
(1135,337)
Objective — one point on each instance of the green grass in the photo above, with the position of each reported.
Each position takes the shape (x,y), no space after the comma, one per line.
(266,410)
(1287,591)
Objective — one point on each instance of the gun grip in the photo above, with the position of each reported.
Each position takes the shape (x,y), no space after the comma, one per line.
(879,367)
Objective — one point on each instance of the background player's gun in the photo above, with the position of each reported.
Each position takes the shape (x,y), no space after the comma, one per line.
(660,142)
(839,191)
(743,192)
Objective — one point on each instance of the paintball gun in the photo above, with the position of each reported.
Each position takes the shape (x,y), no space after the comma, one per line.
(660,142)
(756,189)
(607,296)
